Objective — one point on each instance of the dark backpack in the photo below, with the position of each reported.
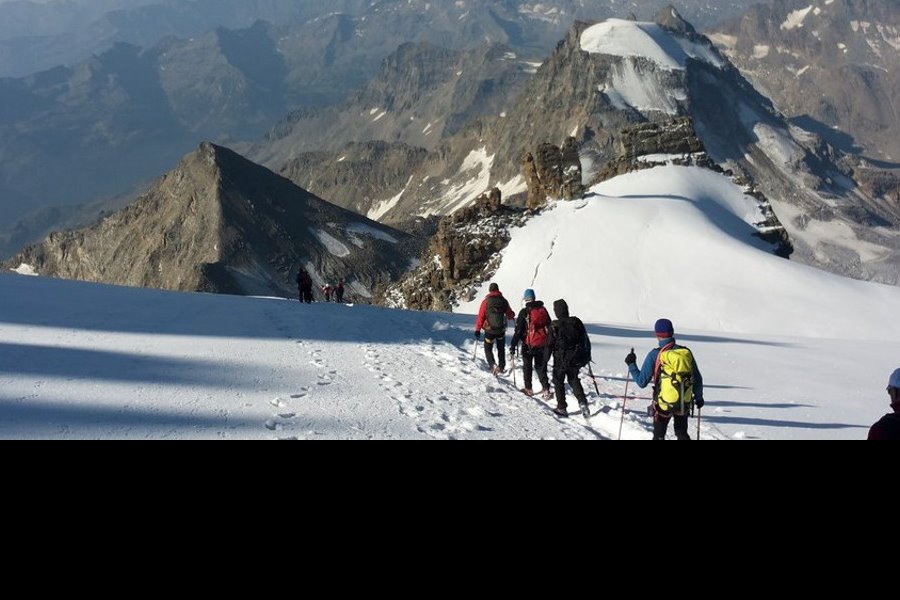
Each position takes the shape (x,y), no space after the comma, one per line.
(573,345)
(495,313)
(537,327)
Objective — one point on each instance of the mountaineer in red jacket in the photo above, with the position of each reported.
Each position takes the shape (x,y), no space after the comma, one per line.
(494,314)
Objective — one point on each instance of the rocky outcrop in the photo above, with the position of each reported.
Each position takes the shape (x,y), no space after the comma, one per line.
(880,184)
(359,176)
(670,18)
(220,223)
(650,145)
(464,252)
(637,146)
(553,172)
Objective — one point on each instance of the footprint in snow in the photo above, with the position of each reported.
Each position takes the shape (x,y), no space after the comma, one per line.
(273,426)
(278,403)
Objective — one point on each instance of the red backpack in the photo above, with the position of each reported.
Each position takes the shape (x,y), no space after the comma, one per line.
(538,327)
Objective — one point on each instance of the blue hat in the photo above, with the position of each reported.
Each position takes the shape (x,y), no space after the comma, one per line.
(664,328)
(528,295)
(894,382)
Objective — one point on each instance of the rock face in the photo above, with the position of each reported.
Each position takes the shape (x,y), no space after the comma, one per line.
(553,172)
(220,223)
(833,67)
(421,95)
(635,147)
(463,252)
(359,175)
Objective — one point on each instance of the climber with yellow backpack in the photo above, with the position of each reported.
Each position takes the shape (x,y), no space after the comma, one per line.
(677,383)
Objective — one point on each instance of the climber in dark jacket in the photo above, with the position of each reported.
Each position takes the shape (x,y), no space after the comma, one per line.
(304,285)
(569,345)
(888,427)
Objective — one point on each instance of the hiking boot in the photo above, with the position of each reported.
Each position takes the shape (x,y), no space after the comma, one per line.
(495,370)
(560,412)
(546,394)
(585,411)
(528,392)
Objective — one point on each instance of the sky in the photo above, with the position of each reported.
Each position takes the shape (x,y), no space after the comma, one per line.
(82,360)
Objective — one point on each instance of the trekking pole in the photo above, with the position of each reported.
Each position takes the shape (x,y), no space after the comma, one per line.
(516,385)
(624,400)
(594,379)
(699,412)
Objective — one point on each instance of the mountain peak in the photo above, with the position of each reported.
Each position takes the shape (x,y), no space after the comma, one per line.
(221,223)
(671,19)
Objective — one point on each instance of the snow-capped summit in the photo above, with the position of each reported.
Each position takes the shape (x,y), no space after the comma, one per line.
(618,37)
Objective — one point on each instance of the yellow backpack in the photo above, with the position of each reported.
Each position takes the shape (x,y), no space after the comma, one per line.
(674,384)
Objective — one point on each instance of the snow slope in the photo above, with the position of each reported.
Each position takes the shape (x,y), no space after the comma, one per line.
(787,352)
(83,360)
(90,361)
(678,242)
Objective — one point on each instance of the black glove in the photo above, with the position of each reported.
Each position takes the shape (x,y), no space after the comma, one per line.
(699,402)
(477,335)
(631,359)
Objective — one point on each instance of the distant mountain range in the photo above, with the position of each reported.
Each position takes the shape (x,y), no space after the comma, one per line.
(832,66)
(110,122)
(398,130)
(39,36)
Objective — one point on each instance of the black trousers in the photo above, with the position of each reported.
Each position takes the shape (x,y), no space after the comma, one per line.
(559,382)
(491,340)
(661,424)
(535,361)
(306,295)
